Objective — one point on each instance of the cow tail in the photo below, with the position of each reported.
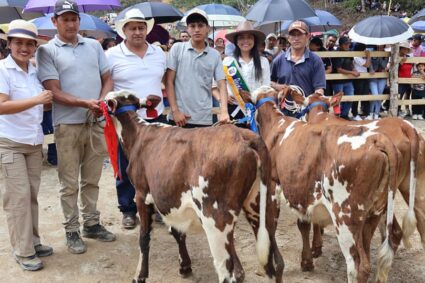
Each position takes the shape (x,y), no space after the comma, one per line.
(263,174)
(386,250)
(409,220)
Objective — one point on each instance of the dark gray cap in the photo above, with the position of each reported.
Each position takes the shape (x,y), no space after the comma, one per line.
(64,6)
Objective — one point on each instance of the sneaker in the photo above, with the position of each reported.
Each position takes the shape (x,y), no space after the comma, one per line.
(402,114)
(376,117)
(30,263)
(415,117)
(369,117)
(75,244)
(420,117)
(129,221)
(357,118)
(42,250)
(98,232)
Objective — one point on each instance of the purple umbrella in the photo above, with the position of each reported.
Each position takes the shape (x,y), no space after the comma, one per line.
(48,6)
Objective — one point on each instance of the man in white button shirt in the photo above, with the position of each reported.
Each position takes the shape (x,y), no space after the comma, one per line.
(138,66)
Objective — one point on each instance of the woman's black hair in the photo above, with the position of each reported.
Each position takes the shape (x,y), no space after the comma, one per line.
(258,71)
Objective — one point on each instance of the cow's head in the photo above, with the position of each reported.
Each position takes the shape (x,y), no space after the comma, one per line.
(316,97)
(263,92)
(119,99)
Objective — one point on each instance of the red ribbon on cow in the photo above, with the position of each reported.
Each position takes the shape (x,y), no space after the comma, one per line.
(111,139)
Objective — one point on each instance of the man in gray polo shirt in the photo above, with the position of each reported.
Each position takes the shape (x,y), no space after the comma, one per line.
(75,69)
(192,66)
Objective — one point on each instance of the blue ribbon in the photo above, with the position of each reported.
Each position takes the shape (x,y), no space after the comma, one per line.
(125,108)
(264,100)
(306,110)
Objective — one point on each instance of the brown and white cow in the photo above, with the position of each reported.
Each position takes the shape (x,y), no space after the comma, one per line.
(343,173)
(199,179)
(407,140)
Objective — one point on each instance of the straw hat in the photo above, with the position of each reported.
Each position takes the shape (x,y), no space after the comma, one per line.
(22,29)
(246,27)
(133,15)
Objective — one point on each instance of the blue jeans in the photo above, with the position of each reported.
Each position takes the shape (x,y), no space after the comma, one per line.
(348,89)
(125,190)
(376,87)
(47,125)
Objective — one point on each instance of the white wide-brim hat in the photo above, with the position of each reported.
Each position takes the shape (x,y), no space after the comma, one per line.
(22,29)
(133,15)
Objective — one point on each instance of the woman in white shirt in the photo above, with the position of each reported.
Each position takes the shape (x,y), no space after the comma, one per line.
(254,68)
(21,139)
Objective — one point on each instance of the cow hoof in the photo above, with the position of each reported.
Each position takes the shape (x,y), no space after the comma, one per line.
(316,252)
(307,266)
(185,271)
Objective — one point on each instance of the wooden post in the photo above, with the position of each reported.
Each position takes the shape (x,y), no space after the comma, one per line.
(394,64)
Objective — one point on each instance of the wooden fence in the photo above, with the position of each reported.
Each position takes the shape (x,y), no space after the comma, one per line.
(391,75)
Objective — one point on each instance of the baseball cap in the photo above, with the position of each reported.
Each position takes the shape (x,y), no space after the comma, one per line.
(64,6)
(196,12)
(270,35)
(300,26)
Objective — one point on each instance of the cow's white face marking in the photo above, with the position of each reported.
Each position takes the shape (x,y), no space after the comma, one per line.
(260,90)
(360,206)
(288,131)
(121,93)
(359,140)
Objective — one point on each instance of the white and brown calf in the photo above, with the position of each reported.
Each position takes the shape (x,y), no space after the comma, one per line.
(199,179)
(340,175)
(411,174)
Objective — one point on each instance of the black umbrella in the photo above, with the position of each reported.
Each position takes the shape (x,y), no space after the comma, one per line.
(419,16)
(161,12)
(386,30)
(12,9)
(279,10)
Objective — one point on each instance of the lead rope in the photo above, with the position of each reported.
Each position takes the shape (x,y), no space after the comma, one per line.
(291,106)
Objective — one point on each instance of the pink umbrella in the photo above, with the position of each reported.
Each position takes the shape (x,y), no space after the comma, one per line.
(48,6)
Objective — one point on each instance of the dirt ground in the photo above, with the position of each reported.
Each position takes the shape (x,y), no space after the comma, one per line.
(117,261)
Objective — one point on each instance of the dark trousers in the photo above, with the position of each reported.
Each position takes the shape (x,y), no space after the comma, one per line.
(418,109)
(125,190)
(47,125)
(361,87)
